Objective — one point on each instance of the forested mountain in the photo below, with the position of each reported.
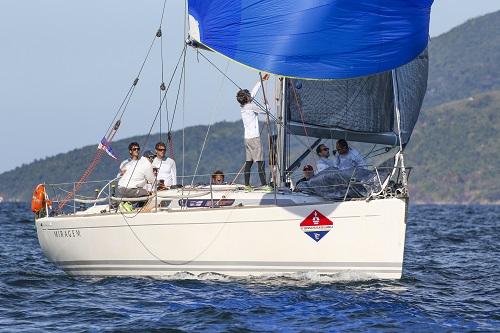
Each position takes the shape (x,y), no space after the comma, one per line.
(223,151)
(465,61)
(454,148)
(455,152)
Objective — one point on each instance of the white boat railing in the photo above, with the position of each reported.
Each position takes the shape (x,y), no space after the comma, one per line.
(104,191)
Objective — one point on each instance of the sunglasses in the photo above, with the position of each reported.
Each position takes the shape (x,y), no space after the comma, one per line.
(162,149)
(135,149)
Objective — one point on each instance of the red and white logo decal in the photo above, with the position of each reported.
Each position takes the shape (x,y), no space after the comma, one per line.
(316,225)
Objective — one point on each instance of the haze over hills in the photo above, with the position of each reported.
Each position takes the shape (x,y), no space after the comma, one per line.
(454,148)
(223,151)
(465,61)
(454,152)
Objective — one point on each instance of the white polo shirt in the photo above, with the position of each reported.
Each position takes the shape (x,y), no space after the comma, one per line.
(137,174)
(352,159)
(324,163)
(166,170)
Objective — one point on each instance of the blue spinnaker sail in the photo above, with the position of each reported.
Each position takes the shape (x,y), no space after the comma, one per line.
(316,39)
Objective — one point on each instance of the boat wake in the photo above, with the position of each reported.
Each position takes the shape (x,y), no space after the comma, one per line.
(278,279)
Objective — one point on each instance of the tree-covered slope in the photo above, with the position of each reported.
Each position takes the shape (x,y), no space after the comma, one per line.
(223,150)
(465,61)
(455,152)
(454,148)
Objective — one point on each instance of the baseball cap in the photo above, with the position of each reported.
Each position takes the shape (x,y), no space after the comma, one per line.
(308,168)
(149,154)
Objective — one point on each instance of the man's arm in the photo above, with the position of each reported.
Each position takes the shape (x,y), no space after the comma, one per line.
(335,161)
(358,159)
(254,92)
(123,168)
(256,89)
(257,86)
(173,173)
(149,174)
(255,108)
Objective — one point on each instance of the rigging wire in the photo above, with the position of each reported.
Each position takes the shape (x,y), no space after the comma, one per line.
(216,105)
(111,130)
(277,122)
(164,98)
(97,157)
(219,70)
(163,12)
(237,85)
(301,111)
(120,108)
(183,116)
(272,153)
(136,80)
(302,119)
(162,85)
(146,140)
(184,94)
(178,89)
(100,152)
(158,112)
(160,35)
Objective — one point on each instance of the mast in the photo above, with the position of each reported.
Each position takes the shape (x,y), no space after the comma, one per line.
(282,135)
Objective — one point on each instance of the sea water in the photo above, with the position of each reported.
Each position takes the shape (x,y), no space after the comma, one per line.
(450,284)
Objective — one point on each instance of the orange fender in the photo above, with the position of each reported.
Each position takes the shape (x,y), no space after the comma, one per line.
(38,199)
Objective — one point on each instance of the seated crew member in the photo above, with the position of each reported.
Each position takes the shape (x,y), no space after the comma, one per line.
(167,171)
(137,175)
(308,173)
(347,157)
(323,162)
(218,178)
(134,151)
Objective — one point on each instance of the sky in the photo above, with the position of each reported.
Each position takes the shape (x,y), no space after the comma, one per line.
(66,66)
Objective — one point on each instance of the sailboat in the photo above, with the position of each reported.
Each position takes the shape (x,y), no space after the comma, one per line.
(352,70)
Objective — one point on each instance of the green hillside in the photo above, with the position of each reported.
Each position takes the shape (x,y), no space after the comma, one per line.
(223,151)
(453,151)
(454,148)
(465,61)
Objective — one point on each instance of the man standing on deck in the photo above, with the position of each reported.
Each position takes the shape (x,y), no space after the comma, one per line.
(253,145)
(167,171)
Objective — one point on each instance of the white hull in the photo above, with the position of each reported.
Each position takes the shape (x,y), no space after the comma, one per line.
(366,237)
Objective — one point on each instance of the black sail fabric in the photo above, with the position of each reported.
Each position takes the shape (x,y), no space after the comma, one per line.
(354,104)
(412,84)
(344,108)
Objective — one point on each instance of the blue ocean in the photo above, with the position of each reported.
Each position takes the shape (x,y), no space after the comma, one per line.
(450,284)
